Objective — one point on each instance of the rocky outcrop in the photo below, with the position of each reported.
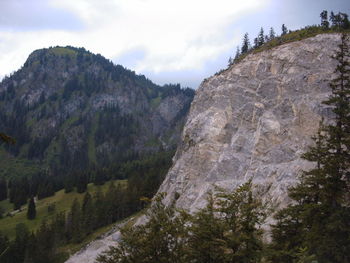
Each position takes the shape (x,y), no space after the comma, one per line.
(254,120)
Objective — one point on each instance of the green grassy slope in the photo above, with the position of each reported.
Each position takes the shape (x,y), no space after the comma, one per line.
(62,203)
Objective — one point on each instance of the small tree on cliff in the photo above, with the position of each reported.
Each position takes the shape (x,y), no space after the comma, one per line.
(245,44)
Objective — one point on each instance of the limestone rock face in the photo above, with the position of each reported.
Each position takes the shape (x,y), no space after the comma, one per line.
(254,120)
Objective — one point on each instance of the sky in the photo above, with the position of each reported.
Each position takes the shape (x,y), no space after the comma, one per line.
(168,41)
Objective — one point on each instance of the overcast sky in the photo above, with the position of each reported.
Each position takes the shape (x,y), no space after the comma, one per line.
(169,41)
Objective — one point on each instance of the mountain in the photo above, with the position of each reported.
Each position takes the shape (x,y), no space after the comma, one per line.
(70,109)
(254,120)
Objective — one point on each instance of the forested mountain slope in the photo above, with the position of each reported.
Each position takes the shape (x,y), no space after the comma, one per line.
(69,109)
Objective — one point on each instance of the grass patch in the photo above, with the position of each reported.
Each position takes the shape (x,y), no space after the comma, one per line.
(62,201)
(62,51)
(155,102)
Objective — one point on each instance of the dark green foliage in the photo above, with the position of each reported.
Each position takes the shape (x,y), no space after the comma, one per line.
(245,44)
(238,53)
(243,214)
(226,230)
(324,19)
(17,249)
(284,30)
(318,222)
(68,184)
(31,211)
(3,189)
(340,20)
(159,240)
(272,34)
(74,223)
(89,214)
(261,37)
(206,243)
(82,181)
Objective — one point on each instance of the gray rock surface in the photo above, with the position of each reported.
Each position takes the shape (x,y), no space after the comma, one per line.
(254,120)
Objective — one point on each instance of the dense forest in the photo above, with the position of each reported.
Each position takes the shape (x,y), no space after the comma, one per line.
(95,211)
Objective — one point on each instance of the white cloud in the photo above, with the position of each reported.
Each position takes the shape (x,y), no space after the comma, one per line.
(174,35)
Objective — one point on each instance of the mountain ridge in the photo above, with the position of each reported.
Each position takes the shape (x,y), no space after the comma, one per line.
(64,97)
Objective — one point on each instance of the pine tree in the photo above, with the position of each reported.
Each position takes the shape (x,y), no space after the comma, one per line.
(74,223)
(238,53)
(324,19)
(3,189)
(272,34)
(230,61)
(321,210)
(245,44)
(88,214)
(206,242)
(45,243)
(31,211)
(284,30)
(243,214)
(261,38)
(160,239)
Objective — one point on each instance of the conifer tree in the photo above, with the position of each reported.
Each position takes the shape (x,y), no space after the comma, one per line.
(243,214)
(245,44)
(31,211)
(88,214)
(284,30)
(238,53)
(261,37)
(206,242)
(3,189)
(324,19)
(159,240)
(74,223)
(272,33)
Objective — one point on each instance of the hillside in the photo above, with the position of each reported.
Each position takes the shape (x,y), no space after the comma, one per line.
(69,109)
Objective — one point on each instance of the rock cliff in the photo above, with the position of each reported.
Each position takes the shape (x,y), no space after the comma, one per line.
(254,120)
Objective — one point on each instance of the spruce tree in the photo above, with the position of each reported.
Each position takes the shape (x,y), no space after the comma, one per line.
(238,53)
(245,44)
(324,19)
(284,30)
(88,214)
(3,189)
(243,215)
(31,211)
(261,38)
(272,34)
(206,242)
(160,239)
